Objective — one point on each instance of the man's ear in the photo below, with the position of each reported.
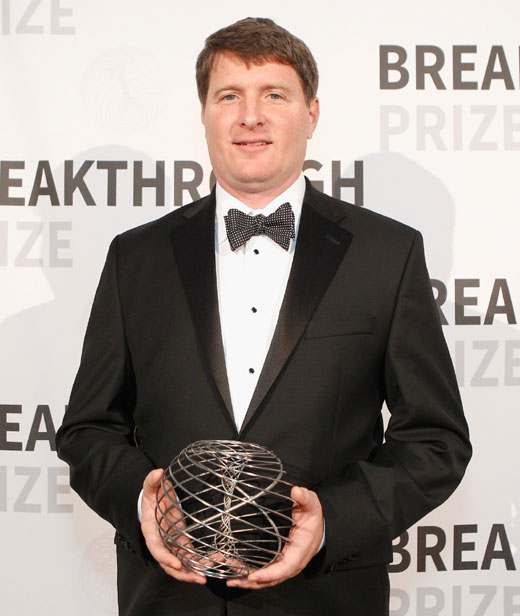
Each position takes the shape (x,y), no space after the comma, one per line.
(202,112)
(314,114)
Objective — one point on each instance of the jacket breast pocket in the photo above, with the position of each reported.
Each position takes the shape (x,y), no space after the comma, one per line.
(346,326)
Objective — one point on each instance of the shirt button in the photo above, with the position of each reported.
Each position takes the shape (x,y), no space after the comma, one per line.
(256,251)
(251,370)
(253,309)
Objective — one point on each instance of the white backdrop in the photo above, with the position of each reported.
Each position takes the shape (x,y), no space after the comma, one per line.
(85,84)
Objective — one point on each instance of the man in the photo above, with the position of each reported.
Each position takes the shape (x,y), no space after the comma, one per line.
(293,340)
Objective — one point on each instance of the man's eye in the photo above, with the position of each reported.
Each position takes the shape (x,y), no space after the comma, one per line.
(229,97)
(274,95)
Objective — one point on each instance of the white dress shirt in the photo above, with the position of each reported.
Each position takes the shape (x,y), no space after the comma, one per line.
(251,283)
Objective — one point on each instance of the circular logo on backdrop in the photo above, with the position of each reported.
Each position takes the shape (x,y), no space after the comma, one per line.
(124,88)
(98,574)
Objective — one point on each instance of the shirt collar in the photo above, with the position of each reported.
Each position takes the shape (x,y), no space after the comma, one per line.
(294,195)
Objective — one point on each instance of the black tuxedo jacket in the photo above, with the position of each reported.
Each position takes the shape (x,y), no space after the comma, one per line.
(358,326)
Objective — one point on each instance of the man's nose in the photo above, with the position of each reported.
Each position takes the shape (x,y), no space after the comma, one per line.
(251,113)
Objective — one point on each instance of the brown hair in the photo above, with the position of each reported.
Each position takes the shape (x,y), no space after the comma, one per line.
(256,40)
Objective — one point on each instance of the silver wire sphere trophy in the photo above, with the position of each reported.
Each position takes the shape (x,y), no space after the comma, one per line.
(224,508)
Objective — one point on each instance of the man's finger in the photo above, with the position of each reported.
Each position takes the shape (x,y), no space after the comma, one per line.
(306,499)
(300,495)
(286,567)
(183,575)
(153,480)
(173,565)
(246,584)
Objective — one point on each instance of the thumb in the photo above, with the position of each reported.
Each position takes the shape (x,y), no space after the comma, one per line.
(153,480)
(301,495)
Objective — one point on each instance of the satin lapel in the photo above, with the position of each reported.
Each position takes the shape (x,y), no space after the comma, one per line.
(320,248)
(193,243)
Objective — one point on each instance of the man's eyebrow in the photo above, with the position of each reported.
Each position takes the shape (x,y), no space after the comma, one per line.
(225,89)
(278,86)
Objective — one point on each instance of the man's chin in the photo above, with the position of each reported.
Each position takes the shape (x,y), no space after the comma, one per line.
(254,182)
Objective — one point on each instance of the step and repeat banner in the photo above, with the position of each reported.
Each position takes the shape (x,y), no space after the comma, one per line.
(100,131)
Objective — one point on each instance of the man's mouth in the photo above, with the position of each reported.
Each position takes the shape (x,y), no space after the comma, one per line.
(252,143)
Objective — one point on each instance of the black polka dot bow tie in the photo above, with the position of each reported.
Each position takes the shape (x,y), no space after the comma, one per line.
(279,226)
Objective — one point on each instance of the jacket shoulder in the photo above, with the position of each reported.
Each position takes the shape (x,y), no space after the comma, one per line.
(155,230)
(358,219)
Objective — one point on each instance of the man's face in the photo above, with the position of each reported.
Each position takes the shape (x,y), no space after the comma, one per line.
(257,124)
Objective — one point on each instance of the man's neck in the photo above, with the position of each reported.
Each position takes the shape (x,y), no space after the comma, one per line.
(257,200)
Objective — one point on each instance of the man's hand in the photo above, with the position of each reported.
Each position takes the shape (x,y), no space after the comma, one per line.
(305,539)
(171,564)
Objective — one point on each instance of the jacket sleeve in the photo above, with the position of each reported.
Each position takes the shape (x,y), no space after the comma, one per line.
(426,447)
(96,437)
